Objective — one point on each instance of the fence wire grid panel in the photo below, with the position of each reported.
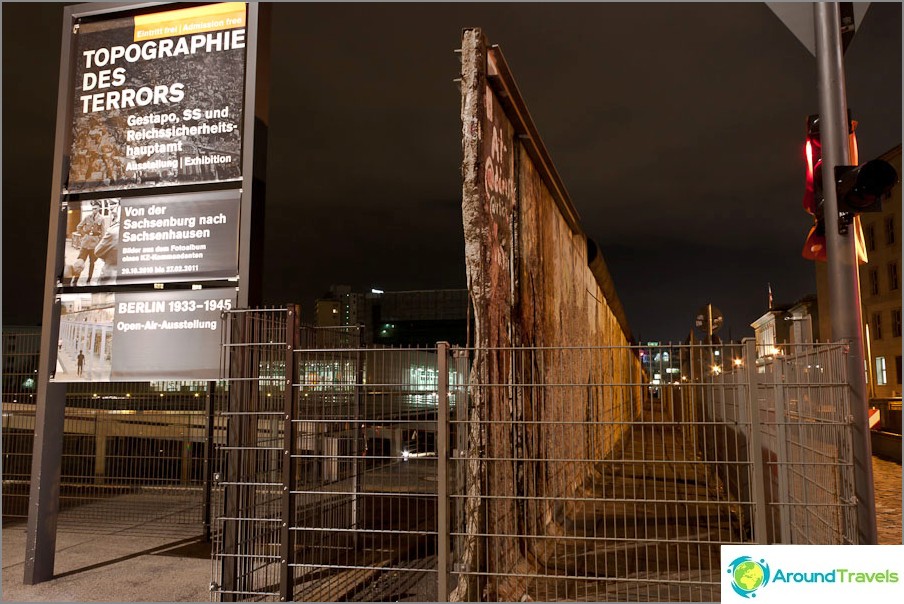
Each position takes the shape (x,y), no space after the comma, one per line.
(613,492)
(610,474)
(135,455)
(805,415)
(330,485)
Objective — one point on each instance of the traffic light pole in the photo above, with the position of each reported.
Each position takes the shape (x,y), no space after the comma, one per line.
(844,279)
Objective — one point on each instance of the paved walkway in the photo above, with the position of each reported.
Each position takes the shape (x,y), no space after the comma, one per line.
(887,478)
(120,557)
(166,563)
(104,568)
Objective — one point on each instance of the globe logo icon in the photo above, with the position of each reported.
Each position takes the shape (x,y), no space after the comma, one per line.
(748,575)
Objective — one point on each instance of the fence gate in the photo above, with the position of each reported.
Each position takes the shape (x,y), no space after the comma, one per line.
(369,474)
(331,475)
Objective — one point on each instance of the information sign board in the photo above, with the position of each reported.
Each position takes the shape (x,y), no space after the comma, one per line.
(158,99)
(155,239)
(141,336)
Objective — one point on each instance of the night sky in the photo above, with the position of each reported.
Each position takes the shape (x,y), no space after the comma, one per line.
(677,128)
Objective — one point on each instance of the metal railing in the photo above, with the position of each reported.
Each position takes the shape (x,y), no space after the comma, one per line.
(607,473)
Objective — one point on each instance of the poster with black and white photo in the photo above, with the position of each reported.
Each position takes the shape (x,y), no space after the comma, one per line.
(91,254)
(141,336)
(158,99)
(158,239)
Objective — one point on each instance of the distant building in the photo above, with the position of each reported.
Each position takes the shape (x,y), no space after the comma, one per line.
(880,291)
(339,307)
(404,318)
(787,326)
(661,363)
(21,352)
(418,318)
(328,312)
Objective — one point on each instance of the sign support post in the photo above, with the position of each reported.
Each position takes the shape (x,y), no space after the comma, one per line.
(844,279)
(50,409)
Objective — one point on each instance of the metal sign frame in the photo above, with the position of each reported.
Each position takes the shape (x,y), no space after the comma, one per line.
(51,399)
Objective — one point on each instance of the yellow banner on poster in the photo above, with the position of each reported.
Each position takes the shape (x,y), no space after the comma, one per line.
(195,20)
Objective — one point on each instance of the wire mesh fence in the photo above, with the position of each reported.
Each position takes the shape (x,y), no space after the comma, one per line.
(599,474)
(135,455)
(806,419)
(608,491)
(609,473)
(681,449)
(330,485)
(248,528)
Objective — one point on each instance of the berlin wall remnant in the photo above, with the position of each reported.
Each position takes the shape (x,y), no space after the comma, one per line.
(535,280)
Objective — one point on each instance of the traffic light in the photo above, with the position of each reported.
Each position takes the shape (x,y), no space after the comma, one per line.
(815,245)
(862,188)
(813,195)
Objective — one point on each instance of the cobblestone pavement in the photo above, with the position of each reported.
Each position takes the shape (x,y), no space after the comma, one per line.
(887,479)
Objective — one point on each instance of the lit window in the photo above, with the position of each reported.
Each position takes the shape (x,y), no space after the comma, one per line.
(881,375)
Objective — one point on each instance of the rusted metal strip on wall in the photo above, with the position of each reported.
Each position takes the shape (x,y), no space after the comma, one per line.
(502,81)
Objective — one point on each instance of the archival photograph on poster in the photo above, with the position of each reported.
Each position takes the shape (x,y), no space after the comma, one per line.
(158,99)
(91,254)
(158,239)
(86,338)
(140,336)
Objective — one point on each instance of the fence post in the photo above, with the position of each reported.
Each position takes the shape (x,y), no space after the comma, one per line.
(460,453)
(755,447)
(208,461)
(782,419)
(232,493)
(287,554)
(442,482)
(359,439)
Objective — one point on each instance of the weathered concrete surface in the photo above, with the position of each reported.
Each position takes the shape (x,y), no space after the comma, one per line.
(531,285)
